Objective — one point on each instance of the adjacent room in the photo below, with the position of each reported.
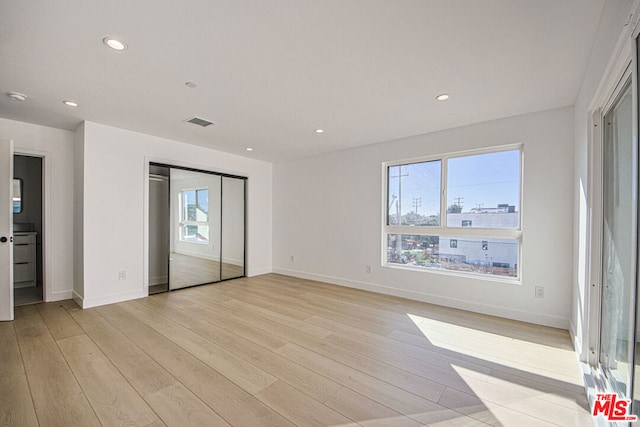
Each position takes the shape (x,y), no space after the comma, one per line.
(323,213)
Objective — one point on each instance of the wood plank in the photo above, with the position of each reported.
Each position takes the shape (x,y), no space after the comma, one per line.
(57,396)
(305,380)
(218,318)
(333,355)
(300,408)
(116,403)
(169,398)
(59,323)
(241,372)
(16,406)
(393,397)
(226,398)
(366,411)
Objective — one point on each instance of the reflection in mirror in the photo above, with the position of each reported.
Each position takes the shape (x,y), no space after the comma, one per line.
(232,228)
(17,196)
(195,228)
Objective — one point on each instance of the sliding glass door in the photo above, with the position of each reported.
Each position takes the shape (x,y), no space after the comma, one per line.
(196,227)
(619,243)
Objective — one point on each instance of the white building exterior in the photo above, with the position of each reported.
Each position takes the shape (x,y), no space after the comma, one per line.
(501,253)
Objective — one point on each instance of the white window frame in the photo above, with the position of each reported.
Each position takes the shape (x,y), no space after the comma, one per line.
(442,230)
(184,222)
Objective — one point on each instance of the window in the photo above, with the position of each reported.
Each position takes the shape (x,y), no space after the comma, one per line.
(414,201)
(456,213)
(194,215)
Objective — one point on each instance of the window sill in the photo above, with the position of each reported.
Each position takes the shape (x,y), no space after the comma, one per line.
(460,274)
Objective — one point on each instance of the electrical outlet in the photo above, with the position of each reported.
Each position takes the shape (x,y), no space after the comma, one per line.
(293,259)
(122,275)
(368,269)
(539,291)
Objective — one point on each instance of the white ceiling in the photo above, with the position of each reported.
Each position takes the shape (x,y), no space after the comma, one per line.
(269,72)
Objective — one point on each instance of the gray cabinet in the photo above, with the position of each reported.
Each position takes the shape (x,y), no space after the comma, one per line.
(24,259)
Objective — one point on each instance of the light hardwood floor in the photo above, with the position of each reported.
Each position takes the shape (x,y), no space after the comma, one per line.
(279,351)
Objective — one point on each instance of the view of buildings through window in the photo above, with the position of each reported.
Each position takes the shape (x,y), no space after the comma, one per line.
(482,191)
(195,216)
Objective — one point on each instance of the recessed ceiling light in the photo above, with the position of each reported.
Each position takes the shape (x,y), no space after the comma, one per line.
(249,149)
(16,96)
(442,97)
(319,131)
(190,84)
(70,103)
(114,43)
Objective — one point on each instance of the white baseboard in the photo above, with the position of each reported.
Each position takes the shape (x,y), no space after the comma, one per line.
(523,316)
(258,271)
(110,299)
(60,296)
(77,298)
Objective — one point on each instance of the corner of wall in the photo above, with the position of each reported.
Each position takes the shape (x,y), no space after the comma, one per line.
(78,213)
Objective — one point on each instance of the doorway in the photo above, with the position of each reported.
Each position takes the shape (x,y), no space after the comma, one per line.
(196,227)
(27,208)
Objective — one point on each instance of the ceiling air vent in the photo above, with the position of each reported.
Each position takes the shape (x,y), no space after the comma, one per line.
(199,121)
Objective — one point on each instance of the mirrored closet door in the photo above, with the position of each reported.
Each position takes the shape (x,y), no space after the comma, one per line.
(233,223)
(196,227)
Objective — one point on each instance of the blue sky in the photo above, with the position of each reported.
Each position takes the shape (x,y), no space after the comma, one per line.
(486,179)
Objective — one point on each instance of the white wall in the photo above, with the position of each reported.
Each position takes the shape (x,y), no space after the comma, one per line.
(78,213)
(328,215)
(115,207)
(56,146)
(612,25)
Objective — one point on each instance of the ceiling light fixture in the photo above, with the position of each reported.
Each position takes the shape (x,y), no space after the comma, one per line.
(191,85)
(114,43)
(319,131)
(70,103)
(442,97)
(249,149)
(16,96)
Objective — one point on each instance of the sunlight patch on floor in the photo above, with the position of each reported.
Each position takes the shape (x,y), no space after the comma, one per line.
(487,348)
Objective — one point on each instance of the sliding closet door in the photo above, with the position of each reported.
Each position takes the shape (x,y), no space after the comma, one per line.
(233,222)
(195,228)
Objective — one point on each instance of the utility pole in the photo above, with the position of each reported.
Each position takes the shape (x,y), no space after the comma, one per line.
(399,209)
(459,202)
(399,205)
(417,202)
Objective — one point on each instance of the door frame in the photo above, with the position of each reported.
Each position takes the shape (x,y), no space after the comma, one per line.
(6,276)
(623,66)
(46,214)
(148,160)
(597,261)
